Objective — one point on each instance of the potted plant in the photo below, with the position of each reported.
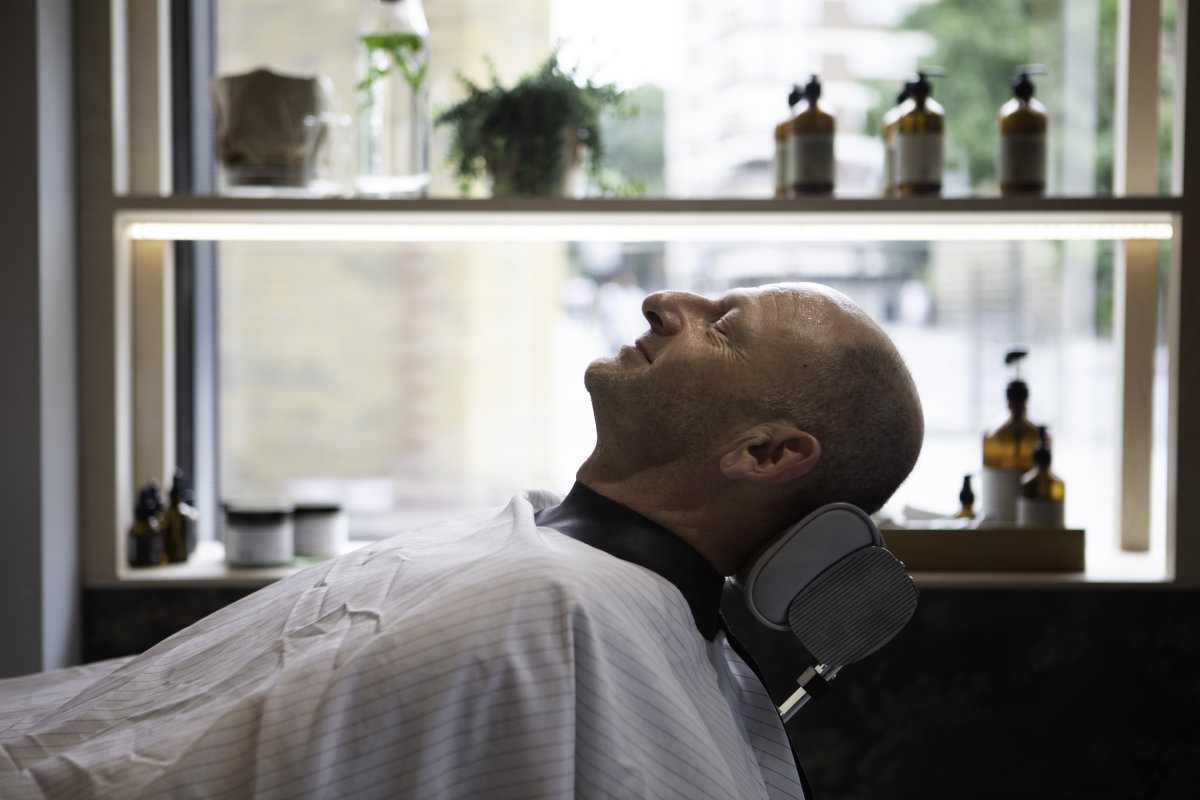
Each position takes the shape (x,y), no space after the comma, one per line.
(529,139)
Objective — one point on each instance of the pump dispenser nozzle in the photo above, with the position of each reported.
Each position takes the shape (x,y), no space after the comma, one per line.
(921,89)
(1018,390)
(149,500)
(1041,453)
(812,89)
(1021,85)
(1014,357)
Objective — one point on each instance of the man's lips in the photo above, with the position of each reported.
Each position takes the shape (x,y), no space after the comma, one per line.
(641,349)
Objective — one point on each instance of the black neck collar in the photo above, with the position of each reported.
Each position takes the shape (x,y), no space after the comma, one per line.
(606,525)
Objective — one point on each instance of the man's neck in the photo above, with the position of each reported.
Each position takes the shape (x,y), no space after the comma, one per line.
(702,512)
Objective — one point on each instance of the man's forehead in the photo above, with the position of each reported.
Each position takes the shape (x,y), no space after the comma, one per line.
(743,295)
(799,293)
(809,312)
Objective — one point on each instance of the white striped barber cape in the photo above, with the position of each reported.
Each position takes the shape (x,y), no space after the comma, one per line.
(480,658)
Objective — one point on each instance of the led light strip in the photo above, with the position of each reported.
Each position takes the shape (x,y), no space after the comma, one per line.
(493,230)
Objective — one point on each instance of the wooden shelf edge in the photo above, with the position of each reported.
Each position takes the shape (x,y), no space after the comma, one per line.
(1121,206)
(1015,550)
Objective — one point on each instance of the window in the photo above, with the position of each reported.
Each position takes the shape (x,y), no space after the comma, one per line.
(414,378)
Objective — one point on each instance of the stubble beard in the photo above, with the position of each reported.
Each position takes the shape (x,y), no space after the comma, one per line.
(642,424)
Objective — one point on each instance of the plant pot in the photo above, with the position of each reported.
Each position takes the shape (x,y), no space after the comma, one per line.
(536,166)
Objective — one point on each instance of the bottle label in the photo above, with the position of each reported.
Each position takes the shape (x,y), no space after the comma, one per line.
(1039,513)
(780,164)
(919,159)
(810,159)
(889,166)
(1023,159)
(1000,490)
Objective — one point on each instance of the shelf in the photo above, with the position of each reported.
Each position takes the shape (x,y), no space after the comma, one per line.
(980,549)
(207,568)
(1156,205)
(602,219)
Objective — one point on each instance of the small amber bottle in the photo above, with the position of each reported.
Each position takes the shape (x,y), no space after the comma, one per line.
(782,131)
(1008,449)
(811,163)
(179,521)
(919,139)
(887,132)
(1021,166)
(1042,492)
(967,498)
(145,535)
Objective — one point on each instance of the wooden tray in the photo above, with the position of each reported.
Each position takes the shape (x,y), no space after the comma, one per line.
(987,549)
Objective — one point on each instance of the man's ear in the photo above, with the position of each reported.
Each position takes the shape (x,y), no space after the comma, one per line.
(771,452)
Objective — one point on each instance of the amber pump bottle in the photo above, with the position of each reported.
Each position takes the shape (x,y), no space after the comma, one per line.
(919,139)
(1040,503)
(1021,166)
(145,535)
(887,132)
(810,145)
(179,521)
(1008,449)
(782,131)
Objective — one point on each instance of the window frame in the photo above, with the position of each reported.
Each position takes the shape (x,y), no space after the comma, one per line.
(129,420)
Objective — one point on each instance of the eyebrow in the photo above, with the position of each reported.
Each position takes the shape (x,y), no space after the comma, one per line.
(730,302)
(724,306)
(735,298)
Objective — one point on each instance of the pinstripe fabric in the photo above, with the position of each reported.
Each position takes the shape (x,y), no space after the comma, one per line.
(485,658)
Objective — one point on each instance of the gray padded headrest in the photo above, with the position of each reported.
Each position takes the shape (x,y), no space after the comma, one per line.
(830,581)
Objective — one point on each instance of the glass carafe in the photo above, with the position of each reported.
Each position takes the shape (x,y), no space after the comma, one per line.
(392,100)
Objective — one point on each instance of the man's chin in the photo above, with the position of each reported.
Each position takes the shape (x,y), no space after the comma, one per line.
(598,370)
(601,362)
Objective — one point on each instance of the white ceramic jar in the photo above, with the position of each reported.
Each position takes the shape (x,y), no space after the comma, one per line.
(259,536)
(322,530)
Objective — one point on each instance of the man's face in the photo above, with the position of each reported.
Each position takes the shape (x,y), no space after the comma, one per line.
(697,374)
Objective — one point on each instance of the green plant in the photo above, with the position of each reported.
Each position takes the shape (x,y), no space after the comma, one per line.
(398,49)
(527,137)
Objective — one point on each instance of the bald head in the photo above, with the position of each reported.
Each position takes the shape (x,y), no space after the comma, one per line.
(848,386)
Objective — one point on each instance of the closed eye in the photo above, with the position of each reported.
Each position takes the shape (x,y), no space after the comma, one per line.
(731,345)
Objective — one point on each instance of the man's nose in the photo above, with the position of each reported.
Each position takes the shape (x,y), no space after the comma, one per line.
(668,312)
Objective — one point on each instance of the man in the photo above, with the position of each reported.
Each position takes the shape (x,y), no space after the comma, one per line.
(558,647)
(724,423)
